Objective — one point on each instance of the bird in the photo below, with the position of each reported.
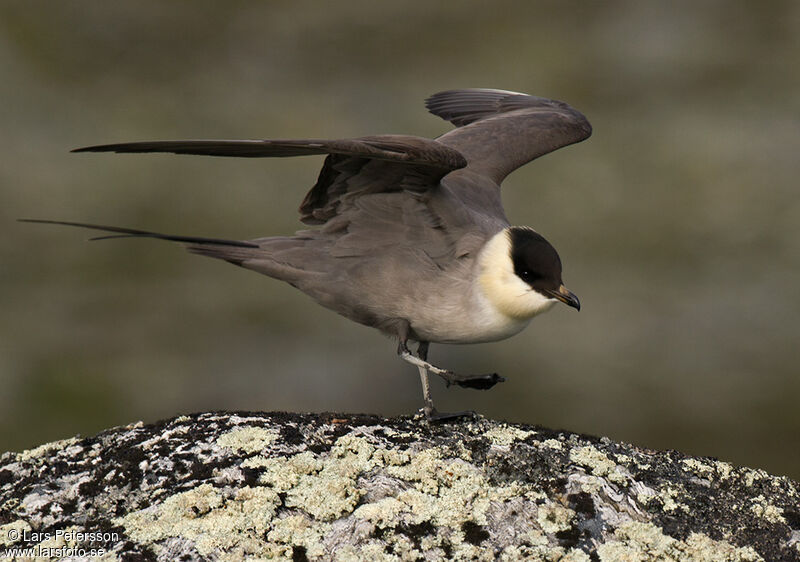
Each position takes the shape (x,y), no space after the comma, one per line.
(408,234)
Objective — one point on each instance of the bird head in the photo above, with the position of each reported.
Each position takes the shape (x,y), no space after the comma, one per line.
(520,274)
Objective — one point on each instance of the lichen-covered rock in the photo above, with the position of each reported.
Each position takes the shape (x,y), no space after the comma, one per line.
(221,486)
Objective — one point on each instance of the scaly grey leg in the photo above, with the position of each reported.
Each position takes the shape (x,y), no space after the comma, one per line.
(481,382)
(422,353)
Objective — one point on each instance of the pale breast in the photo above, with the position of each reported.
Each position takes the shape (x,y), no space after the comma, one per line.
(467,317)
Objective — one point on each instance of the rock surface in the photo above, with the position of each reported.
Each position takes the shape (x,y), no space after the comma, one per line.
(225,486)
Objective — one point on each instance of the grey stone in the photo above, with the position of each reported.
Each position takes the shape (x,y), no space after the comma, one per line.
(238,486)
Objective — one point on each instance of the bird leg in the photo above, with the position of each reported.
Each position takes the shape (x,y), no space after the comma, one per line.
(422,353)
(481,382)
(466,381)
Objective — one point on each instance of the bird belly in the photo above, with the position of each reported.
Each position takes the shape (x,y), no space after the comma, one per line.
(474,324)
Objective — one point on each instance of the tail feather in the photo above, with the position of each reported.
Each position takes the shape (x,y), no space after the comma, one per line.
(236,255)
(256,255)
(134,233)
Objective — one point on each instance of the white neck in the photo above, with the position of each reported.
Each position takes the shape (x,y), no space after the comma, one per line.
(506,292)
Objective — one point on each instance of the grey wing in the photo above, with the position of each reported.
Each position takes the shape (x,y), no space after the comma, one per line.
(360,216)
(371,191)
(499,131)
(354,167)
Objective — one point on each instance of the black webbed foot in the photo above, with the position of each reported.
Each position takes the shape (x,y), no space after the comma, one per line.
(434,416)
(479,382)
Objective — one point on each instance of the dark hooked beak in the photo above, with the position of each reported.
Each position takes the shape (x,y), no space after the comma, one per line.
(567,297)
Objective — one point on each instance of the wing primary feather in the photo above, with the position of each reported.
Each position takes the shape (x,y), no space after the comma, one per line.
(237,148)
(395,148)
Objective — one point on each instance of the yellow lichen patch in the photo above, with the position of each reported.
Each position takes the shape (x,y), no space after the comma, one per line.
(353,455)
(645,495)
(503,436)
(753,475)
(389,457)
(699,468)
(247,439)
(554,444)
(395,547)
(724,469)
(45,449)
(421,470)
(11,533)
(301,531)
(420,505)
(554,518)
(325,488)
(446,491)
(598,462)
(333,491)
(635,541)
(204,516)
(668,495)
(762,508)
(284,473)
(704,548)
(575,555)
(325,496)
(536,547)
(370,550)
(466,551)
(590,484)
(381,513)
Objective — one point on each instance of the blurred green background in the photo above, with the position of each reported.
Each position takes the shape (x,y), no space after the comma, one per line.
(678,221)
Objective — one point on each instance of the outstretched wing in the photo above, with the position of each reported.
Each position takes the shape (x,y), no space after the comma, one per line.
(499,131)
(381,163)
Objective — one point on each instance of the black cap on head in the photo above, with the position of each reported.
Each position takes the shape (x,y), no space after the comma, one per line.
(535,260)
